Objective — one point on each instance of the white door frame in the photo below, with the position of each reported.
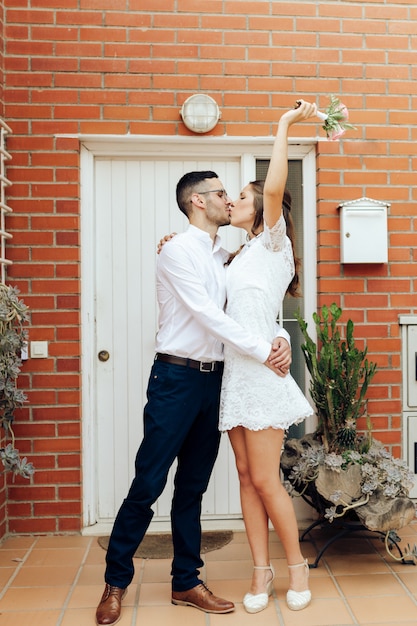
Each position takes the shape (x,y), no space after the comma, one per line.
(248,149)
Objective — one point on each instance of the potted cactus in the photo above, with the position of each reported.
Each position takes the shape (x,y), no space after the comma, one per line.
(339,470)
(340,376)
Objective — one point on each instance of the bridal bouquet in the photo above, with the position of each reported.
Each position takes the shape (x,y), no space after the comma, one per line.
(335,119)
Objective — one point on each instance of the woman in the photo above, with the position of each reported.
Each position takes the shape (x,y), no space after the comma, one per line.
(256,405)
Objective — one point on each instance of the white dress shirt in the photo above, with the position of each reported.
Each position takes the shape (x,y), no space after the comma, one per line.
(191,291)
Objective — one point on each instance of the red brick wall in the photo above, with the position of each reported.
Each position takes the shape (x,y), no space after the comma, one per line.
(118,67)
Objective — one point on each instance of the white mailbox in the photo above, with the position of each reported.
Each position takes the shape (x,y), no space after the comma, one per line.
(364,231)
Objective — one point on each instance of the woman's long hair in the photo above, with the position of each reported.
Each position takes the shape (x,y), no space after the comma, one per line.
(257,187)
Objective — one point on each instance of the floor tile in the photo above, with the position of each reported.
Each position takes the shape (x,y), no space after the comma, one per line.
(18,543)
(376,585)
(45,576)
(410,581)
(356,564)
(172,615)
(33,598)
(383,609)
(64,556)
(88,596)
(9,558)
(155,594)
(34,618)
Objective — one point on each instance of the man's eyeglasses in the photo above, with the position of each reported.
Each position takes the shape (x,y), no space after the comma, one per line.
(222,193)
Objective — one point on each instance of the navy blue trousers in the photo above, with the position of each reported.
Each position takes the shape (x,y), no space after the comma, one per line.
(180,422)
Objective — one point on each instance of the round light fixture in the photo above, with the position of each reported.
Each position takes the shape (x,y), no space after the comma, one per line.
(200,113)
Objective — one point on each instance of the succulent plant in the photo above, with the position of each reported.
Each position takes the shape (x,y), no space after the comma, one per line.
(13,339)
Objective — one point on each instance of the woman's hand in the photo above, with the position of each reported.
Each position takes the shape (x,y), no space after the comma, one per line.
(279,360)
(163,241)
(301,111)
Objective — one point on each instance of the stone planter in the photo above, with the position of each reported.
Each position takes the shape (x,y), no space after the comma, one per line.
(338,494)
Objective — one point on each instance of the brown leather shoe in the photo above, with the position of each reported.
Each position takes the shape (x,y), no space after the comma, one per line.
(200,597)
(110,607)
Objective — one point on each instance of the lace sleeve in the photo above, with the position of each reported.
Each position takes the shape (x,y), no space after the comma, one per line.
(274,238)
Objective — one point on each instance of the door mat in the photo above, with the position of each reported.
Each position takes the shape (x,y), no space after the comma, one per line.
(159,545)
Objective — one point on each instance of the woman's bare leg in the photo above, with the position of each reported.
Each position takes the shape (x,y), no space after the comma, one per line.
(254,514)
(263,453)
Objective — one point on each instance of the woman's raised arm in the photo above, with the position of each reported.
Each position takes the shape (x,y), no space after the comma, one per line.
(276,178)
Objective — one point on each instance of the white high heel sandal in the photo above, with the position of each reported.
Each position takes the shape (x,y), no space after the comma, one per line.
(254,603)
(297,600)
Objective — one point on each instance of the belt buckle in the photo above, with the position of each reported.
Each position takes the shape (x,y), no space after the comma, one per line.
(207,367)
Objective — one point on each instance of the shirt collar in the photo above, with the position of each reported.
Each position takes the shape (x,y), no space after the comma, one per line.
(205,237)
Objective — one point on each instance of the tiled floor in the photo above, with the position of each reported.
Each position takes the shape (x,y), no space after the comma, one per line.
(57,581)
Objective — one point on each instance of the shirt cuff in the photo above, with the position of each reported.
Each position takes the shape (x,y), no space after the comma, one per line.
(262,351)
(281,332)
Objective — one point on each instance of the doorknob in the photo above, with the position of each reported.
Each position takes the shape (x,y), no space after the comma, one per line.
(103,355)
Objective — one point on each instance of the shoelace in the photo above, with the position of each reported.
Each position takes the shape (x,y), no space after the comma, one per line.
(206,588)
(111,591)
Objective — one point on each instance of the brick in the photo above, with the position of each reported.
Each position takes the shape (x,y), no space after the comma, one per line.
(90,80)
(69,429)
(57,509)
(51,33)
(29,17)
(81,18)
(69,460)
(138,20)
(58,477)
(69,397)
(32,525)
(30,493)
(55,413)
(69,524)
(20,509)
(57,381)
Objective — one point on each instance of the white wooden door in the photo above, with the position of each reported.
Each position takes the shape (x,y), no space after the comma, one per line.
(134,206)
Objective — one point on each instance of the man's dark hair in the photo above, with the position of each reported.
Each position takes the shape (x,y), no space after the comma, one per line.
(186,187)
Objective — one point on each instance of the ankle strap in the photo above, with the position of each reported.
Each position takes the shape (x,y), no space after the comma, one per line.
(303,564)
(261,567)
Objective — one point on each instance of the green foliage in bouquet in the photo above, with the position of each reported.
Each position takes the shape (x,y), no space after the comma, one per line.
(335,119)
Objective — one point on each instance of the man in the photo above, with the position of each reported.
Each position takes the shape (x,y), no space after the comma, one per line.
(181,414)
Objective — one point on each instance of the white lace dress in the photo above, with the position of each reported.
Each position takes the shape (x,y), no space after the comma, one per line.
(257,279)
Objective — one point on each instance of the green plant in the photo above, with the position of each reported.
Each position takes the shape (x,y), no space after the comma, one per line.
(13,339)
(340,376)
(338,471)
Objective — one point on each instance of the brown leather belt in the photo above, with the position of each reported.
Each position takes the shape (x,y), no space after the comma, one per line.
(203,366)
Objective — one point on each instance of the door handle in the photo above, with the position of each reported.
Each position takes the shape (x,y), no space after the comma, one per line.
(103,355)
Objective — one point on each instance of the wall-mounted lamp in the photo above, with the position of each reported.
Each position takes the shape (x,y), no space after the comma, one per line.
(200,113)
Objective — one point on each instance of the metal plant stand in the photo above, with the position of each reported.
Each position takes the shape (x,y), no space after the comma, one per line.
(346,528)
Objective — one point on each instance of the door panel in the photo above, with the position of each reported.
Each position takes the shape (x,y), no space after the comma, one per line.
(134,204)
